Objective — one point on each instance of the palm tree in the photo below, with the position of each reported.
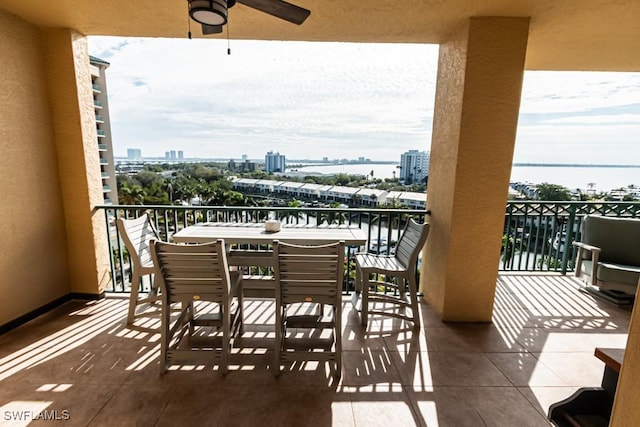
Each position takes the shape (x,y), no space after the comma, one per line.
(133,195)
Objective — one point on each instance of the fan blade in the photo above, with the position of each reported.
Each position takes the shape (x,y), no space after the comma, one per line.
(211,29)
(279,9)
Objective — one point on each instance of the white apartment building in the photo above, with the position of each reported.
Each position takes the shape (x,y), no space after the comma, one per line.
(103,128)
(414,166)
(274,162)
(327,193)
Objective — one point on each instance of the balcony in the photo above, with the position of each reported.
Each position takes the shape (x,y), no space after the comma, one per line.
(81,358)
(97,104)
(101,133)
(529,243)
(96,88)
(102,147)
(99,118)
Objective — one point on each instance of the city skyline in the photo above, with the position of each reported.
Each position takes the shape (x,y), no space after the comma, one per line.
(339,100)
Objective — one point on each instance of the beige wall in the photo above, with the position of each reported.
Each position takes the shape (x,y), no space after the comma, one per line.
(33,255)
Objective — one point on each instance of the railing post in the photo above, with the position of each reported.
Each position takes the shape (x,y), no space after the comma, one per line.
(568,241)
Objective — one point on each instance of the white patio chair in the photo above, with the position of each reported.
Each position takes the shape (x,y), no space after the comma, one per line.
(308,280)
(192,275)
(137,234)
(400,268)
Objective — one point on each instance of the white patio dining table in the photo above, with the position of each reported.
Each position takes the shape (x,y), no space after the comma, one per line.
(255,233)
(233,233)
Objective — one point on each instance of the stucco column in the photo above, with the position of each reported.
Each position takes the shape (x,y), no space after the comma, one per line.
(73,117)
(626,411)
(480,72)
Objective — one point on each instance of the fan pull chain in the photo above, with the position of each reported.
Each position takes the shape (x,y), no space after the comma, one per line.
(188,25)
(228,42)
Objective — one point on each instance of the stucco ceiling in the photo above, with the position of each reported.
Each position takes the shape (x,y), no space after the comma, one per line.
(564,34)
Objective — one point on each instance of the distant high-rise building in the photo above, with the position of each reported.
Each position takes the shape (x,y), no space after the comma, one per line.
(245,157)
(274,162)
(103,128)
(167,155)
(134,153)
(180,155)
(414,166)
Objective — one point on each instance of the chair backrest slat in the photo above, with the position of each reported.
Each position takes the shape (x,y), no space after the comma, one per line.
(137,234)
(192,271)
(411,243)
(309,273)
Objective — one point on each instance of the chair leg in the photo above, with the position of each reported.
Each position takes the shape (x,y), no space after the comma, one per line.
(226,337)
(278,342)
(241,312)
(165,339)
(358,288)
(364,311)
(413,295)
(133,298)
(338,338)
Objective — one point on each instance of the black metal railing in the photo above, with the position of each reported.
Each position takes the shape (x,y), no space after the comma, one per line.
(383,228)
(537,236)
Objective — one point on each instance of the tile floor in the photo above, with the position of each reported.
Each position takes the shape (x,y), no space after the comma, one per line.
(80,363)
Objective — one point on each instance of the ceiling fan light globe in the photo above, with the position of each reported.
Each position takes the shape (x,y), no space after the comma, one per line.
(208,12)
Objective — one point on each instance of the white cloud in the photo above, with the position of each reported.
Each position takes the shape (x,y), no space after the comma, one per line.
(329,98)
(311,100)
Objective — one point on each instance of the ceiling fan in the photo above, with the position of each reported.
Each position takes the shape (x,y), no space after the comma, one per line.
(212,14)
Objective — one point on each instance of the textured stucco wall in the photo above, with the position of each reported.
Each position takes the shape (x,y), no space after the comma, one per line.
(69,78)
(478,91)
(626,410)
(33,255)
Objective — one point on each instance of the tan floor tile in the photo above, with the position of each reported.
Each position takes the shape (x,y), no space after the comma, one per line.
(576,369)
(523,369)
(541,340)
(391,408)
(133,406)
(470,369)
(473,406)
(543,397)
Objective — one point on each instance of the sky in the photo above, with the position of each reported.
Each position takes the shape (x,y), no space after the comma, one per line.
(309,100)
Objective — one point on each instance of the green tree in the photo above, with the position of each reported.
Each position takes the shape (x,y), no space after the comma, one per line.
(553,192)
(133,195)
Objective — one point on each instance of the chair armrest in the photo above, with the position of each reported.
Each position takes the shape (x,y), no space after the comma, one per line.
(590,248)
(595,255)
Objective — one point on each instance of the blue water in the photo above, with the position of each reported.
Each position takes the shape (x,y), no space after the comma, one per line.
(603,178)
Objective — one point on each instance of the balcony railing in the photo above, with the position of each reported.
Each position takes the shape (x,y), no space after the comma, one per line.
(382,226)
(537,236)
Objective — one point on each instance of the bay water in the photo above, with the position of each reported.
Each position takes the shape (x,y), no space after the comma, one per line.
(597,178)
